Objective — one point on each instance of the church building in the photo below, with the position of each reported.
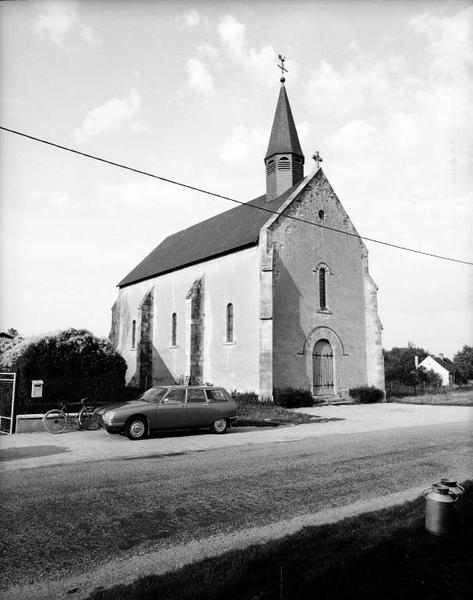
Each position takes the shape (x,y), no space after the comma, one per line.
(273,293)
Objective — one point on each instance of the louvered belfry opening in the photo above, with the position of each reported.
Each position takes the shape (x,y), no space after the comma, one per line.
(323,369)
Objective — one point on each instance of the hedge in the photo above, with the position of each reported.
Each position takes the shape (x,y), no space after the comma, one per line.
(366,394)
(73,364)
(292,397)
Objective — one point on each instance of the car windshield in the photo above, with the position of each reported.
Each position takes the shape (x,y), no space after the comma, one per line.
(153,394)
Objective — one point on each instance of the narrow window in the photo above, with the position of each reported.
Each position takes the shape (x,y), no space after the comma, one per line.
(133,334)
(174,329)
(321,215)
(322,292)
(229,323)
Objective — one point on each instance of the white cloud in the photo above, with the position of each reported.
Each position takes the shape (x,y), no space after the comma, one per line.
(136,194)
(88,36)
(208,51)
(243,144)
(140,126)
(408,150)
(450,40)
(233,36)
(358,84)
(58,21)
(353,138)
(59,200)
(199,77)
(108,117)
(303,129)
(235,44)
(55,198)
(234,47)
(190,19)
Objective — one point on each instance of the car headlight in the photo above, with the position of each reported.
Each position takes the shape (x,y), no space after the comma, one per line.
(107,417)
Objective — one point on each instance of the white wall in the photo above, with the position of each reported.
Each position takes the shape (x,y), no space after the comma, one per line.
(432,365)
(231,278)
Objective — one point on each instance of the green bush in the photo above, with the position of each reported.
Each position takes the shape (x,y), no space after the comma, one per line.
(73,364)
(285,397)
(245,398)
(292,397)
(366,394)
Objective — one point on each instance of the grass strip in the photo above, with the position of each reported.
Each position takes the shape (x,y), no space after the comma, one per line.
(385,554)
(449,399)
(261,413)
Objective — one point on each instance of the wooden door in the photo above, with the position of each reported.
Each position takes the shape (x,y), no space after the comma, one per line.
(323,368)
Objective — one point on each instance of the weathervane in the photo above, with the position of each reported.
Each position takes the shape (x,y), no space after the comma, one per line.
(318,159)
(281,66)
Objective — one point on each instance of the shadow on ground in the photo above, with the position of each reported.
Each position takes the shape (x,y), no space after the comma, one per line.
(386,554)
(32,452)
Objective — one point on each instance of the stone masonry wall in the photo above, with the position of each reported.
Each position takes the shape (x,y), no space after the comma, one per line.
(298,320)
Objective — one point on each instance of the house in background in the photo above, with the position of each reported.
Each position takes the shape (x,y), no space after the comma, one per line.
(265,295)
(444,367)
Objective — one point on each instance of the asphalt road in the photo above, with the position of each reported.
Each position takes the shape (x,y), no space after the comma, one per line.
(60,520)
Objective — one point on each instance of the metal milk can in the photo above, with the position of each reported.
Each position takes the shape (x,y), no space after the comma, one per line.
(455,488)
(441,511)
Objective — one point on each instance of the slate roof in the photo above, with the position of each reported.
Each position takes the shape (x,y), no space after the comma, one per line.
(446,363)
(232,230)
(284,138)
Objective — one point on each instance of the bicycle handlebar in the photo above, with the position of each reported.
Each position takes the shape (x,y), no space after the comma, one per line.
(64,406)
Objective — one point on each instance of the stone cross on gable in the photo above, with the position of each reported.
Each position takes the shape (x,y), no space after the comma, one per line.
(282,67)
(318,159)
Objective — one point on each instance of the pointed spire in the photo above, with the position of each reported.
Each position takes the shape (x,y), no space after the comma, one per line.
(284,159)
(284,138)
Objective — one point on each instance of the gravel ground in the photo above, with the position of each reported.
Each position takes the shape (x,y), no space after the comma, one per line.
(89,445)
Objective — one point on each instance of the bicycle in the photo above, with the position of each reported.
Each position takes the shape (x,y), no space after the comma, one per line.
(59,419)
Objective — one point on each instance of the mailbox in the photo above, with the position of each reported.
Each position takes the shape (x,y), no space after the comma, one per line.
(37,388)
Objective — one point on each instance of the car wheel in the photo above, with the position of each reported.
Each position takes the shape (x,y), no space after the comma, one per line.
(219,426)
(136,429)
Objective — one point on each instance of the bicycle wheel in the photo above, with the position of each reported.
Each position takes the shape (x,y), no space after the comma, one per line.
(88,419)
(55,421)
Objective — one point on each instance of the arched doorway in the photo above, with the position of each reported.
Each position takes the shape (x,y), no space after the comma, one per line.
(322,359)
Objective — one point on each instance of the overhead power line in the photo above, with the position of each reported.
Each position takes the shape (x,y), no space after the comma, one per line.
(202,191)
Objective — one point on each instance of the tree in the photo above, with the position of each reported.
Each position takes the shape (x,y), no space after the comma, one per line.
(428,378)
(464,361)
(7,343)
(399,364)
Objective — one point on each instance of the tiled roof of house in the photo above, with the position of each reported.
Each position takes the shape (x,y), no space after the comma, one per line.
(446,363)
(229,231)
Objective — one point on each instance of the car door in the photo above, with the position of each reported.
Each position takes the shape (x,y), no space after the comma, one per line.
(198,409)
(171,411)
(219,405)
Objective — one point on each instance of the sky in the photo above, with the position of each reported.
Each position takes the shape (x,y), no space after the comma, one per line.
(188,90)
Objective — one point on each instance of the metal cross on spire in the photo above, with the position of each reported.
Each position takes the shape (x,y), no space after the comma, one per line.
(282,67)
